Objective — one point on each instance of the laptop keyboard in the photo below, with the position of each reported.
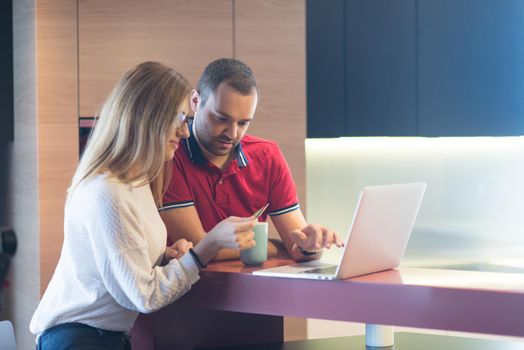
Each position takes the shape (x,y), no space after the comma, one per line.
(328,270)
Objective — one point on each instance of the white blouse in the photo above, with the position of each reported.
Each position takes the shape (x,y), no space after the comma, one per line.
(109,269)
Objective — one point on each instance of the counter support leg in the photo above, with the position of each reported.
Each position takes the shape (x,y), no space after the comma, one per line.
(379,335)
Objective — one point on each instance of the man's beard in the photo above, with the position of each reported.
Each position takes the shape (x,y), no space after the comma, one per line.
(213,148)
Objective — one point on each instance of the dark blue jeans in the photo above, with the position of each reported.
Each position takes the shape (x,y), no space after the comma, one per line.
(77,336)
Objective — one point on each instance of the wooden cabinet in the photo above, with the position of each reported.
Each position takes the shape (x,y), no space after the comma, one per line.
(270,38)
(78,51)
(268,35)
(116,35)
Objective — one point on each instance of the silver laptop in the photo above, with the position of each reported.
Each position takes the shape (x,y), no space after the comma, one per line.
(377,238)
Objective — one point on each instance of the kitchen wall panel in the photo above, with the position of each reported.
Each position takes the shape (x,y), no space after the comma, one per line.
(57,124)
(270,38)
(116,35)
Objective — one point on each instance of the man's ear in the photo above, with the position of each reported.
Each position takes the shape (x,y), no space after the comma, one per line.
(195,100)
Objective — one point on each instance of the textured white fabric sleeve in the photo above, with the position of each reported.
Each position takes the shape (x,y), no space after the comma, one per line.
(121,253)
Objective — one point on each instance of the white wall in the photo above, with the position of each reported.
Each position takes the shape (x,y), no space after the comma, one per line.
(21,297)
(472,211)
(473,205)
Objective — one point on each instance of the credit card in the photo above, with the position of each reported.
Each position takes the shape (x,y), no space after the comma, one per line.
(260,211)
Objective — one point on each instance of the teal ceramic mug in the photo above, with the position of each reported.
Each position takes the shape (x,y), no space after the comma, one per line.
(258,254)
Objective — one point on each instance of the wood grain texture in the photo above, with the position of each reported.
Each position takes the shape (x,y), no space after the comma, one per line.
(116,35)
(270,36)
(57,103)
(187,35)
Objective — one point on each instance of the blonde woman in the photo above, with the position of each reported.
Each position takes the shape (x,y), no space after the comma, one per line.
(114,261)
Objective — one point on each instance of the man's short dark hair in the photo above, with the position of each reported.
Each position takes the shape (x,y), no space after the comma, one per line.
(231,71)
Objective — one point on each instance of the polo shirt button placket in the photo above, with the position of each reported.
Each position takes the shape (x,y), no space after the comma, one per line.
(220,193)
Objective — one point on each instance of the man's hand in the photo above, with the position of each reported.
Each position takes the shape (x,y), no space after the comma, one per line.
(177,250)
(312,238)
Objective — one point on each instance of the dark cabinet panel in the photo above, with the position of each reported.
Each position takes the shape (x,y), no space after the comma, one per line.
(415,67)
(380,68)
(471,67)
(361,68)
(6,72)
(325,68)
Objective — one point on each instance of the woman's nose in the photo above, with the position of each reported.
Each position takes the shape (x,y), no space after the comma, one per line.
(183,131)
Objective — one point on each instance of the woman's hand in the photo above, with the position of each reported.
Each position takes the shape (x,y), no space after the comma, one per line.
(177,250)
(234,233)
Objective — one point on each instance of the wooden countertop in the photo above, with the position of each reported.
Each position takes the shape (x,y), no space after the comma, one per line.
(470,301)
(403,341)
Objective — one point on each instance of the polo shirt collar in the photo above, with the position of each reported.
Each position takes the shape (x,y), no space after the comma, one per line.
(197,157)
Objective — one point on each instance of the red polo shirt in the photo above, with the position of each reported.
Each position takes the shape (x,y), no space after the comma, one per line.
(258,175)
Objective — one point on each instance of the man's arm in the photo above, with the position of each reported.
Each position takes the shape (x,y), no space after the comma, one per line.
(303,241)
(185,223)
(294,231)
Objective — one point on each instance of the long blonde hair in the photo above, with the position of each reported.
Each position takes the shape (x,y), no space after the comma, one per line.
(132,129)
